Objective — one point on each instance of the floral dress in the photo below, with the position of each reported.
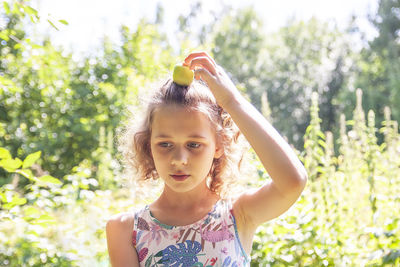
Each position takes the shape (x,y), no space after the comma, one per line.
(211,241)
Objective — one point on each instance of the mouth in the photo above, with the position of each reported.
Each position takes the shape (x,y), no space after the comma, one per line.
(180,177)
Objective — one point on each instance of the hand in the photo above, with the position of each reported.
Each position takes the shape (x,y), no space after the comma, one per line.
(216,78)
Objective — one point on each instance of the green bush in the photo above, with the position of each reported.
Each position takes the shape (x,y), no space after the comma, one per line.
(347,215)
(60,114)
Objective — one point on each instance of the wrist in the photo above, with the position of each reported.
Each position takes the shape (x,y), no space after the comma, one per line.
(233,102)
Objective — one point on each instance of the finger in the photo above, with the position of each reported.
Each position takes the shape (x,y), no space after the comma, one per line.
(204,74)
(203,62)
(190,57)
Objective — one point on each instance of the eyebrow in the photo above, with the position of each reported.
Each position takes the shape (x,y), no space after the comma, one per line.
(191,136)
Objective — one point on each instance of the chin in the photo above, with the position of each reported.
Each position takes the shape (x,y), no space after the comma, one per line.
(181,187)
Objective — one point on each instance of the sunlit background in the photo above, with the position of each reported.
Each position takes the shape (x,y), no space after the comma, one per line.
(96,18)
(326,74)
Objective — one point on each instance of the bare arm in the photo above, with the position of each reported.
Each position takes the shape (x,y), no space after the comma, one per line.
(287,172)
(119,241)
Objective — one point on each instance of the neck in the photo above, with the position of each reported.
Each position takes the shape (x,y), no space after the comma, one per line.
(187,200)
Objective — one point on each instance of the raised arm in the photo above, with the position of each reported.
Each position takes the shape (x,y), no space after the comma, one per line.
(287,172)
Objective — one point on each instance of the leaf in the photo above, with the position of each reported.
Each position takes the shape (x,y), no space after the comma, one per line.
(226,262)
(6,7)
(309,128)
(320,151)
(50,179)
(181,232)
(216,227)
(15,201)
(194,236)
(52,24)
(142,254)
(159,254)
(109,89)
(181,253)
(321,134)
(32,232)
(382,147)
(4,36)
(30,11)
(4,153)
(27,173)
(64,22)
(307,143)
(29,211)
(148,261)
(134,238)
(321,169)
(322,143)
(44,220)
(186,235)
(142,224)
(3,197)
(31,159)
(10,164)
(17,46)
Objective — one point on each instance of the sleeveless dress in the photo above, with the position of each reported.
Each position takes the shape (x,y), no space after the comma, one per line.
(211,241)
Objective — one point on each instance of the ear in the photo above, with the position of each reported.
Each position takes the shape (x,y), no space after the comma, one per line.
(219,151)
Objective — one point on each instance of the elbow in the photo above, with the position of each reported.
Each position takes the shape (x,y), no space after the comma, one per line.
(301,179)
(299,176)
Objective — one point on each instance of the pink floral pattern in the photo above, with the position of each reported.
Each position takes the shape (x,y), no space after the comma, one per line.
(155,233)
(212,241)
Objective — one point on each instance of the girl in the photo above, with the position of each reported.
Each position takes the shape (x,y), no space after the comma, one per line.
(187,140)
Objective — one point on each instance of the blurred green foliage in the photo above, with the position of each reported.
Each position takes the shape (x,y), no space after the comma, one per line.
(60,174)
(347,215)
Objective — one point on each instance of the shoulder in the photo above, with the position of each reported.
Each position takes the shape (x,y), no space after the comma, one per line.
(120,221)
(119,230)
(119,227)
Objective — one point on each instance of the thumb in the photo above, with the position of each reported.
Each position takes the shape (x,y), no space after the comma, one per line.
(204,74)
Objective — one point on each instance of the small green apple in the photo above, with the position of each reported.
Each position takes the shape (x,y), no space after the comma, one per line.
(182,75)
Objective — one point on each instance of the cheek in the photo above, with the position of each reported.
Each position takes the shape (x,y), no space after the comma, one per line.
(155,152)
(207,157)
(157,156)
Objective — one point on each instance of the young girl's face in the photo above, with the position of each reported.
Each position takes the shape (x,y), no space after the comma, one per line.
(183,146)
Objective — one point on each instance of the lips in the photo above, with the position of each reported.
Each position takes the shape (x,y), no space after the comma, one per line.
(180,177)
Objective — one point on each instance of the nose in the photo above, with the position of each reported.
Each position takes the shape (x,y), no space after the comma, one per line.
(179,157)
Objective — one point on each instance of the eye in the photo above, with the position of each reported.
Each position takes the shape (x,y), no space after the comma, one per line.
(164,144)
(194,145)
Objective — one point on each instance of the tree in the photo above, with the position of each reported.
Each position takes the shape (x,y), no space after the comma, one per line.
(288,65)
(58,106)
(305,57)
(378,70)
(237,43)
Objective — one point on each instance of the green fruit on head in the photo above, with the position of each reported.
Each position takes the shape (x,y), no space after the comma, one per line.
(182,75)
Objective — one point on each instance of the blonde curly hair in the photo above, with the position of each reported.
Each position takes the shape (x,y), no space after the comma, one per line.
(134,139)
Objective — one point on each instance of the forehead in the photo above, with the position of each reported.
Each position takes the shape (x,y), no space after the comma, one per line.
(180,121)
